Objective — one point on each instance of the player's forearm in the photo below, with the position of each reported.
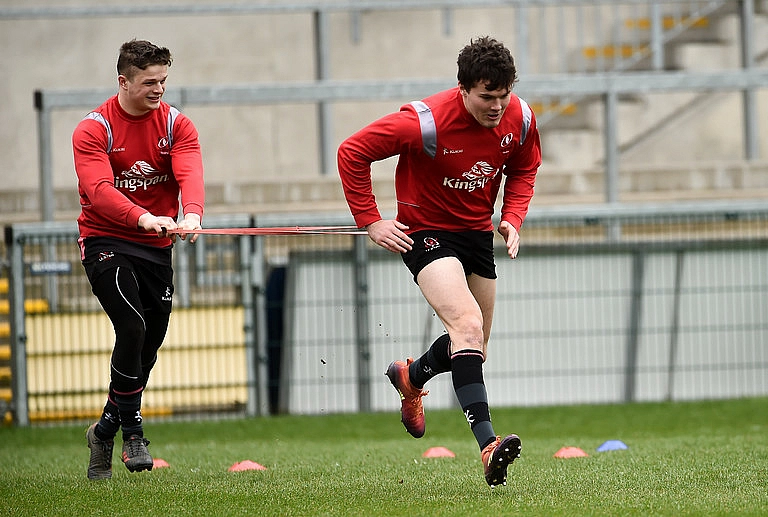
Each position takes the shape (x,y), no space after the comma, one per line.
(355,174)
(518,192)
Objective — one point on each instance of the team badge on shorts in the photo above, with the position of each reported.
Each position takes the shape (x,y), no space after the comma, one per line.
(430,243)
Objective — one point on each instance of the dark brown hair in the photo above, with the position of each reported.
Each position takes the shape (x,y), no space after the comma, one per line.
(486,59)
(141,54)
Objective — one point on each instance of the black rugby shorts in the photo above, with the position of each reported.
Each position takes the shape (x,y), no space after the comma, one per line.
(474,249)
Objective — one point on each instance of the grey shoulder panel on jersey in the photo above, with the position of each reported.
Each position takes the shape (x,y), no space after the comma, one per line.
(428,128)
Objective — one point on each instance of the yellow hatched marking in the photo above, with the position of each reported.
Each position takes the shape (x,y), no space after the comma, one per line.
(613,51)
(548,107)
(669,22)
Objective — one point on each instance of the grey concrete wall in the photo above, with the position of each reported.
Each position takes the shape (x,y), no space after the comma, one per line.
(264,157)
(241,143)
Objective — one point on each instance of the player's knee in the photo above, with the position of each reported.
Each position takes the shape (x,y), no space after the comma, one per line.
(130,331)
(470,330)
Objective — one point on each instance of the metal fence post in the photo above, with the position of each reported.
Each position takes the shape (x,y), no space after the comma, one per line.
(45,157)
(657,37)
(255,306)
(611,104)
(20,403)
(749,95)
(361,323)
(521,39)
(324,112)
(633,328)
(674,330)
(181,273)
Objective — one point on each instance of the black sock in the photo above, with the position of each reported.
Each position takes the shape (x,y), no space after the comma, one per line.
(130,414)
(436,360)
(467,370)
(109,423)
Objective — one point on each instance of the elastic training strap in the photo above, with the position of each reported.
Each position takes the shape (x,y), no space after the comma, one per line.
(279,230)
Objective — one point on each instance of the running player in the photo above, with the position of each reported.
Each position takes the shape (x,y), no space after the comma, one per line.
(454,149)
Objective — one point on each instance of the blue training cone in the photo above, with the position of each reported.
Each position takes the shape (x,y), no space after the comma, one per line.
(612,445)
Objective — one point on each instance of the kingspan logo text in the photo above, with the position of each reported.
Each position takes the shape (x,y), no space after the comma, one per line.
(134,184)
(469,186)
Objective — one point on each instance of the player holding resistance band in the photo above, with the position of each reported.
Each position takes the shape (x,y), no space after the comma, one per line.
(454,148)
(134,156)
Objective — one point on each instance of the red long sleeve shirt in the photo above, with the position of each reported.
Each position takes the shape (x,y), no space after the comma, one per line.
(450,168)
(128,165)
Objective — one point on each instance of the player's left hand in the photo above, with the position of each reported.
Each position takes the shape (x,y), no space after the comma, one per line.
(511,238)
(191,222)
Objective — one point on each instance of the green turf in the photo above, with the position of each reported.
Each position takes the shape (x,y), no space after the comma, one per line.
(702,458)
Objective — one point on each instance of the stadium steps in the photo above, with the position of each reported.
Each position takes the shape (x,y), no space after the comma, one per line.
(634,52)
(631,51)
(557,108)
(624,51)
(669,22)
(695,40)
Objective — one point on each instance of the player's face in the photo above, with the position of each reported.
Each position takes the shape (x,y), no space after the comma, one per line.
(486,106)
(142,92)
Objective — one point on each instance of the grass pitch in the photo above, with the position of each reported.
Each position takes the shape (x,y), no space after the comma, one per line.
(699,458)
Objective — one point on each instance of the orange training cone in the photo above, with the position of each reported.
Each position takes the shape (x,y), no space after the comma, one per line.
(158,463)
(246,465)
(570,452)
(438,452)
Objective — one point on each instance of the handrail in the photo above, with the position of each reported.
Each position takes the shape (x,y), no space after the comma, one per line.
(15,13)
(333,90)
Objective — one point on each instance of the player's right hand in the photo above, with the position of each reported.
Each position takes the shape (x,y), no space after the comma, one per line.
(158,224)
(390,235)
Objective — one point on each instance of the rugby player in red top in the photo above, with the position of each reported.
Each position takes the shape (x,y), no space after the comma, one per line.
(136,159)
(455,150)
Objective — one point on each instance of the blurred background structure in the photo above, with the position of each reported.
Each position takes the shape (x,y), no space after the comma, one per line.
(644,259)
(667,95)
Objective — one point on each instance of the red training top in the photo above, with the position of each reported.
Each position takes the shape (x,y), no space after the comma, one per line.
(127,166)
(447,175)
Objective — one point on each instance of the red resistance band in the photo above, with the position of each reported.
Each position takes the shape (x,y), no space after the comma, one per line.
(278,230)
